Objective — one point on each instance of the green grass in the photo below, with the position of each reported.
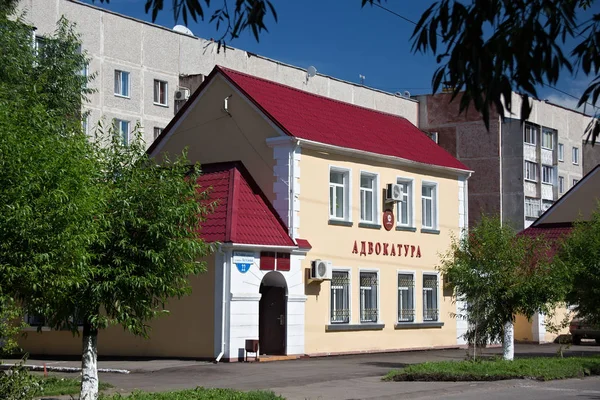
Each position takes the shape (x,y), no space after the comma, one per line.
(540,368)
(197,394)
(56,386)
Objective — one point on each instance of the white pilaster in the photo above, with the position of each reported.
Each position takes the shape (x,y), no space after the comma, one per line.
(287,170)
(462,322)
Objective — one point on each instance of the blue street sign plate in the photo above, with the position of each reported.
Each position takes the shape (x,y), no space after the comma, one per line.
(243,267)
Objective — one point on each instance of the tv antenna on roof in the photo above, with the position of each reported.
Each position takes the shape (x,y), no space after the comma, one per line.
(310,72)
(362,78)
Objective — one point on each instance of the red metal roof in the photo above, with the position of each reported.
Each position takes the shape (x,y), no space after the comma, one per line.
(553,233)
(312,117)
(243,214)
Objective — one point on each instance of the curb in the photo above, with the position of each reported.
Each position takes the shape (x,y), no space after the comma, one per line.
(64,369)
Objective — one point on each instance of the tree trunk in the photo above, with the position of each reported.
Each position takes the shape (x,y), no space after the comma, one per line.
(89,363)
(508,342)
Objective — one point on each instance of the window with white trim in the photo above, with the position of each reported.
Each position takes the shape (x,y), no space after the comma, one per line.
(122,128)
(340,297)
(575,156)
(157,132)
(547,174)
(339,193)
(548,139)
(575,182)
(160,93)
(561,184)
(530,134)
(430,297)
(428,206)
(406,297)
(561,152)
(368,197)
(532,207)
(531,171)
(405,207)
(369,311)
(121,83)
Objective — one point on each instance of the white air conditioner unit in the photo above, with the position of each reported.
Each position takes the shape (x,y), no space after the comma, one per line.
(393,192)
(320,270)
(182,94)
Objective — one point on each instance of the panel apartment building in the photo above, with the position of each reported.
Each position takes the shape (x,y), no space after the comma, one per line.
(520,169)
(142,67)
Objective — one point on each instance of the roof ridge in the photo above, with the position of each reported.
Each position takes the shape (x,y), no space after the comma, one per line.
(226,69)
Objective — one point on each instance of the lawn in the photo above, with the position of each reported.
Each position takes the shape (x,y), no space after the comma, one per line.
(540,368)
(55,386)
(197,394)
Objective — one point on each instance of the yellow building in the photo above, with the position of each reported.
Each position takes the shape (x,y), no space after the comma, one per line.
(332,219)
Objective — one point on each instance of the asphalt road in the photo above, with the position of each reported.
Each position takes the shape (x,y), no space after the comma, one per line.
(348,377)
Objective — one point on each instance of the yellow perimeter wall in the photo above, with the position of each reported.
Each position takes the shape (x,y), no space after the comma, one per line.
(187,331)
(335,243)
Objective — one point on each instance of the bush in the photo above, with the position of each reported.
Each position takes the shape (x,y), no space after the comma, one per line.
(18,384)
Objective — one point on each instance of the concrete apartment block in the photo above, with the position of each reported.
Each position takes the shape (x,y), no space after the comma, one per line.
(514,179)
(149,52)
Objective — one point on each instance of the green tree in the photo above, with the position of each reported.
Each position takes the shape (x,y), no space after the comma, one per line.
(580,254)
(500,274)
(485,48)
(91,232)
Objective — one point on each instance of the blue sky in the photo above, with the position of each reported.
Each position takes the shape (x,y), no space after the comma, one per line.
(343,40)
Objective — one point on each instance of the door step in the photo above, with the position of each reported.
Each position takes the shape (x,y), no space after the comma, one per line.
(268,358)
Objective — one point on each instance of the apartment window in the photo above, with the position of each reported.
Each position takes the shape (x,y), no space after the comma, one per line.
(530,135)
(561,184)
(40,43)
(405,208)
(575,182)
(575,155)
(547,139)
(561,152)
(369,311)
(122,127)
(368,197)
(340,297)
(547,172)
(531,171)
(430,297)
(339,192)
(121,83)
(532,207)
(406,297)
(157,132)
(160,93)
(428,204)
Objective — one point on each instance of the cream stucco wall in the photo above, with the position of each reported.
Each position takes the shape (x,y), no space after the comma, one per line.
(335,243)
(187,331)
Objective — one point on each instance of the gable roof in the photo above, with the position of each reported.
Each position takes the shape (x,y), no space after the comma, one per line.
(243,214)
(320,119)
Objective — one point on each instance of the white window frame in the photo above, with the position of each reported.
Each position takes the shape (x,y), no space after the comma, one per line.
(410,203)
(85,124)
(375,192)
(435,205)
(534,205)
(575,182)
(349,272)
(347,193)
(376,271)
(118,124)
(119,73)
(166,92)
(157,131)
(561,152)
(575,155)
(545,133)
(414,302)
(561,184)
(525,171)
(534,130)
(547,170)
(438,298)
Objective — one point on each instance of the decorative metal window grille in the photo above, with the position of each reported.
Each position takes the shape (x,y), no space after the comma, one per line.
(340,297)
(369,311)
(430,298)
(406,293)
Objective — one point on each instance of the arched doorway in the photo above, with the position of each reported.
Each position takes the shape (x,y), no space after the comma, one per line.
(272,314)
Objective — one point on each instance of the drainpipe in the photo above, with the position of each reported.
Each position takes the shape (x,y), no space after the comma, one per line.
(223,299)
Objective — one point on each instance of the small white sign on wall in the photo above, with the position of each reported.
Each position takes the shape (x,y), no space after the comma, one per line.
(243,260)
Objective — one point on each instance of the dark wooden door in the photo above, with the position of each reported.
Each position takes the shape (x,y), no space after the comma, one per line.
(272,320)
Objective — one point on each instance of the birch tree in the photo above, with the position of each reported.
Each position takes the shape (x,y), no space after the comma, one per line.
(500,274)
